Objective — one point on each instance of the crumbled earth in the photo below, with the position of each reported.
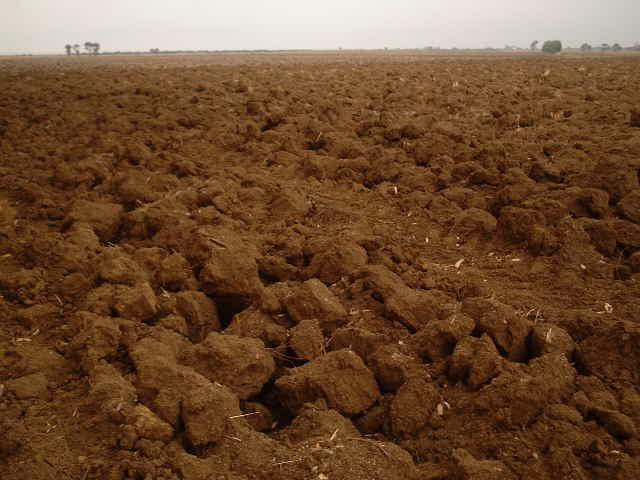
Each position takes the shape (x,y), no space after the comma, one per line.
(320,266)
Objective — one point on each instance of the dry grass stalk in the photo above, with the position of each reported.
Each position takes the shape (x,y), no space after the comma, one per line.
(244,415)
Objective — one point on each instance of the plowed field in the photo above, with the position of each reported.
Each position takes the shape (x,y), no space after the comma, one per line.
(337,266)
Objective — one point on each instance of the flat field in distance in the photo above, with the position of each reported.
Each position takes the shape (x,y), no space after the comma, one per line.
(331,265)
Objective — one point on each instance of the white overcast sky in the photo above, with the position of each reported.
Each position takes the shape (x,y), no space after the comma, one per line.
(45,26)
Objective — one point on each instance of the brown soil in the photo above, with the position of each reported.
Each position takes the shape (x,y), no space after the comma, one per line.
(319,267)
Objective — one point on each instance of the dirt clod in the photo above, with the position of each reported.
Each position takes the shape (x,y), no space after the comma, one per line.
(509,331)
(618,424)
(438,339)
(547,338)
(35,385)
(242,364)
(481,469)
(313,300)
(307,341)
(200,313)
(405,420)
(136,303)
(340,378)
(475,360)
(103,218)
(630,206)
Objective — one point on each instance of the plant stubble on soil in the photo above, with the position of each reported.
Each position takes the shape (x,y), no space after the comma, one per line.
(338,266)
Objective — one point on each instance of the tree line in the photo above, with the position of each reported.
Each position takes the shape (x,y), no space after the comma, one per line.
(605,47)
(549,46)
(555,46)
(92,48)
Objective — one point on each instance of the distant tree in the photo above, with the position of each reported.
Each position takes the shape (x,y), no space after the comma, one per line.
(616,47)
(605,47)
(585,47)
(92,48)
(534,45)
(552,46)
(68,48)
(76,48)
(154,50)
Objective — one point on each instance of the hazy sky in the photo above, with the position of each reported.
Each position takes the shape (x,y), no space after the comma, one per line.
(45,26)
